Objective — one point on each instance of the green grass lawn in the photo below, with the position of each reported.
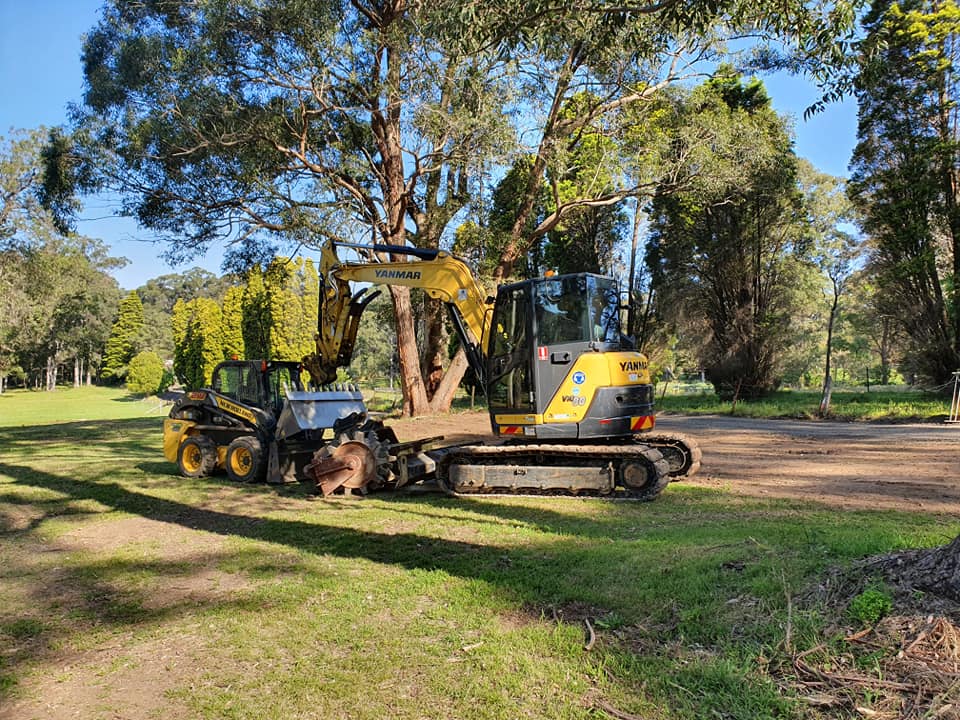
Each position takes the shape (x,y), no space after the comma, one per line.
(29,407)
(878,405)
(234,601)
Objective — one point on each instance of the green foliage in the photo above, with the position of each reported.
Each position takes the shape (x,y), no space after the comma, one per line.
(871,605)
(729,247)
(145,373)
(283,122)
(232,309)
(905,171)
(271,315)
(885,405)
(122,343)
(159,296)
(198,341)
(374,354)
(277,311)
(56,298)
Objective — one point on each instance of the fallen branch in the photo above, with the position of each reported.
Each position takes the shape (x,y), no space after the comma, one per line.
(592,636)
(613,712)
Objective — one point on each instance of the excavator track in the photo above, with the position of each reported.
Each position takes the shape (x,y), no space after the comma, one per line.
(681,452)
(634,471)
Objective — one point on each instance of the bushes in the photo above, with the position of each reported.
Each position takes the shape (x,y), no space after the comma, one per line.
(145,374)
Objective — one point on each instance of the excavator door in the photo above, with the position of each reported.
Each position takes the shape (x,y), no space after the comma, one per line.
(510,360)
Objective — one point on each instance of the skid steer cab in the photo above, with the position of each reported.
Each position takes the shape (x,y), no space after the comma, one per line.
(257,422)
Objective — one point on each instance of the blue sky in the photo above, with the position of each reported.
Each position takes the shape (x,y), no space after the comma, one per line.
(40,73)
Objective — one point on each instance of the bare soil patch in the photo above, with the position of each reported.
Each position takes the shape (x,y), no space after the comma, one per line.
(131,675)
(842,465)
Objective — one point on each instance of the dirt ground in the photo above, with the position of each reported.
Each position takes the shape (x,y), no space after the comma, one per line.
(844,465)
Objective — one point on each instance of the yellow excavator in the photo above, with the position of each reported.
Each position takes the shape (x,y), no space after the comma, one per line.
(571,402)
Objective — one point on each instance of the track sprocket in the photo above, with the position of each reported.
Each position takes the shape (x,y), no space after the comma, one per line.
(681,452)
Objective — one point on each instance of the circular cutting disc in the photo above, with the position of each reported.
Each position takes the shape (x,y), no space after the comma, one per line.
(361,461)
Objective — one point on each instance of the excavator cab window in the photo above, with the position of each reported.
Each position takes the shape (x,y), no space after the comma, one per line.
(577,309)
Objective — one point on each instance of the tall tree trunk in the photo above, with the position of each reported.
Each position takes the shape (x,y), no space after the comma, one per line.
(77,371)
(443,397)
(632,282)
(89,375)
(951,190)
(435,345)
(51,373)
(415,401)
(385,126)
(827,376)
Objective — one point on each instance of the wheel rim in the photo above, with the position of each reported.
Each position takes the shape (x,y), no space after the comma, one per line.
(192,457)
(241,460)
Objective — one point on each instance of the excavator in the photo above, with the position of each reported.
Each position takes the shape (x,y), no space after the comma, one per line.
(571,402)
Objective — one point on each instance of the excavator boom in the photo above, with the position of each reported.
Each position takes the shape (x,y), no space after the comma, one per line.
(441,275)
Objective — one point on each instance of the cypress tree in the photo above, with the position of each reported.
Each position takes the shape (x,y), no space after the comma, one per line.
(122,343)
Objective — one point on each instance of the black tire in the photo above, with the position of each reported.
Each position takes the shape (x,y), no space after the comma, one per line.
(197,456)
(245,460)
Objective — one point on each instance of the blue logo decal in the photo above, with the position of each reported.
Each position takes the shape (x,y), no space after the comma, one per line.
(579,377)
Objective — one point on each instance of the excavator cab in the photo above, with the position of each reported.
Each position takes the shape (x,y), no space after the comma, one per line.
(558,366)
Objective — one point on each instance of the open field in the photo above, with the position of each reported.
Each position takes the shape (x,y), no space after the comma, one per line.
(127,591)
(893,404)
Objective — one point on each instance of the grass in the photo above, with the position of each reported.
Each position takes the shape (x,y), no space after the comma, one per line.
(885,404)
(231,601)
(878,405)
(29,407)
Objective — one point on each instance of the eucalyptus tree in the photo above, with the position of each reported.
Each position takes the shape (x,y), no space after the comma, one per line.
(277,124)
(274,123)
(834,248)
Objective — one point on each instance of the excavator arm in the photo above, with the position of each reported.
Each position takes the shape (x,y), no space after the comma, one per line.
(441,275)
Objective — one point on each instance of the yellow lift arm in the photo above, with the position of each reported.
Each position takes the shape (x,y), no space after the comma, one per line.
(442,275)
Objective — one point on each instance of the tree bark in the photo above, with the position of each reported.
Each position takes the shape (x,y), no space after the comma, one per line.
(936,570)
(827,378)
(415,401)
(51,373)
(443,397)
(632,282)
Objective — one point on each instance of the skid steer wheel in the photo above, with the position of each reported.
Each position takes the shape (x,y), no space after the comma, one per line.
(645,477)
(197,456)
(245,461)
